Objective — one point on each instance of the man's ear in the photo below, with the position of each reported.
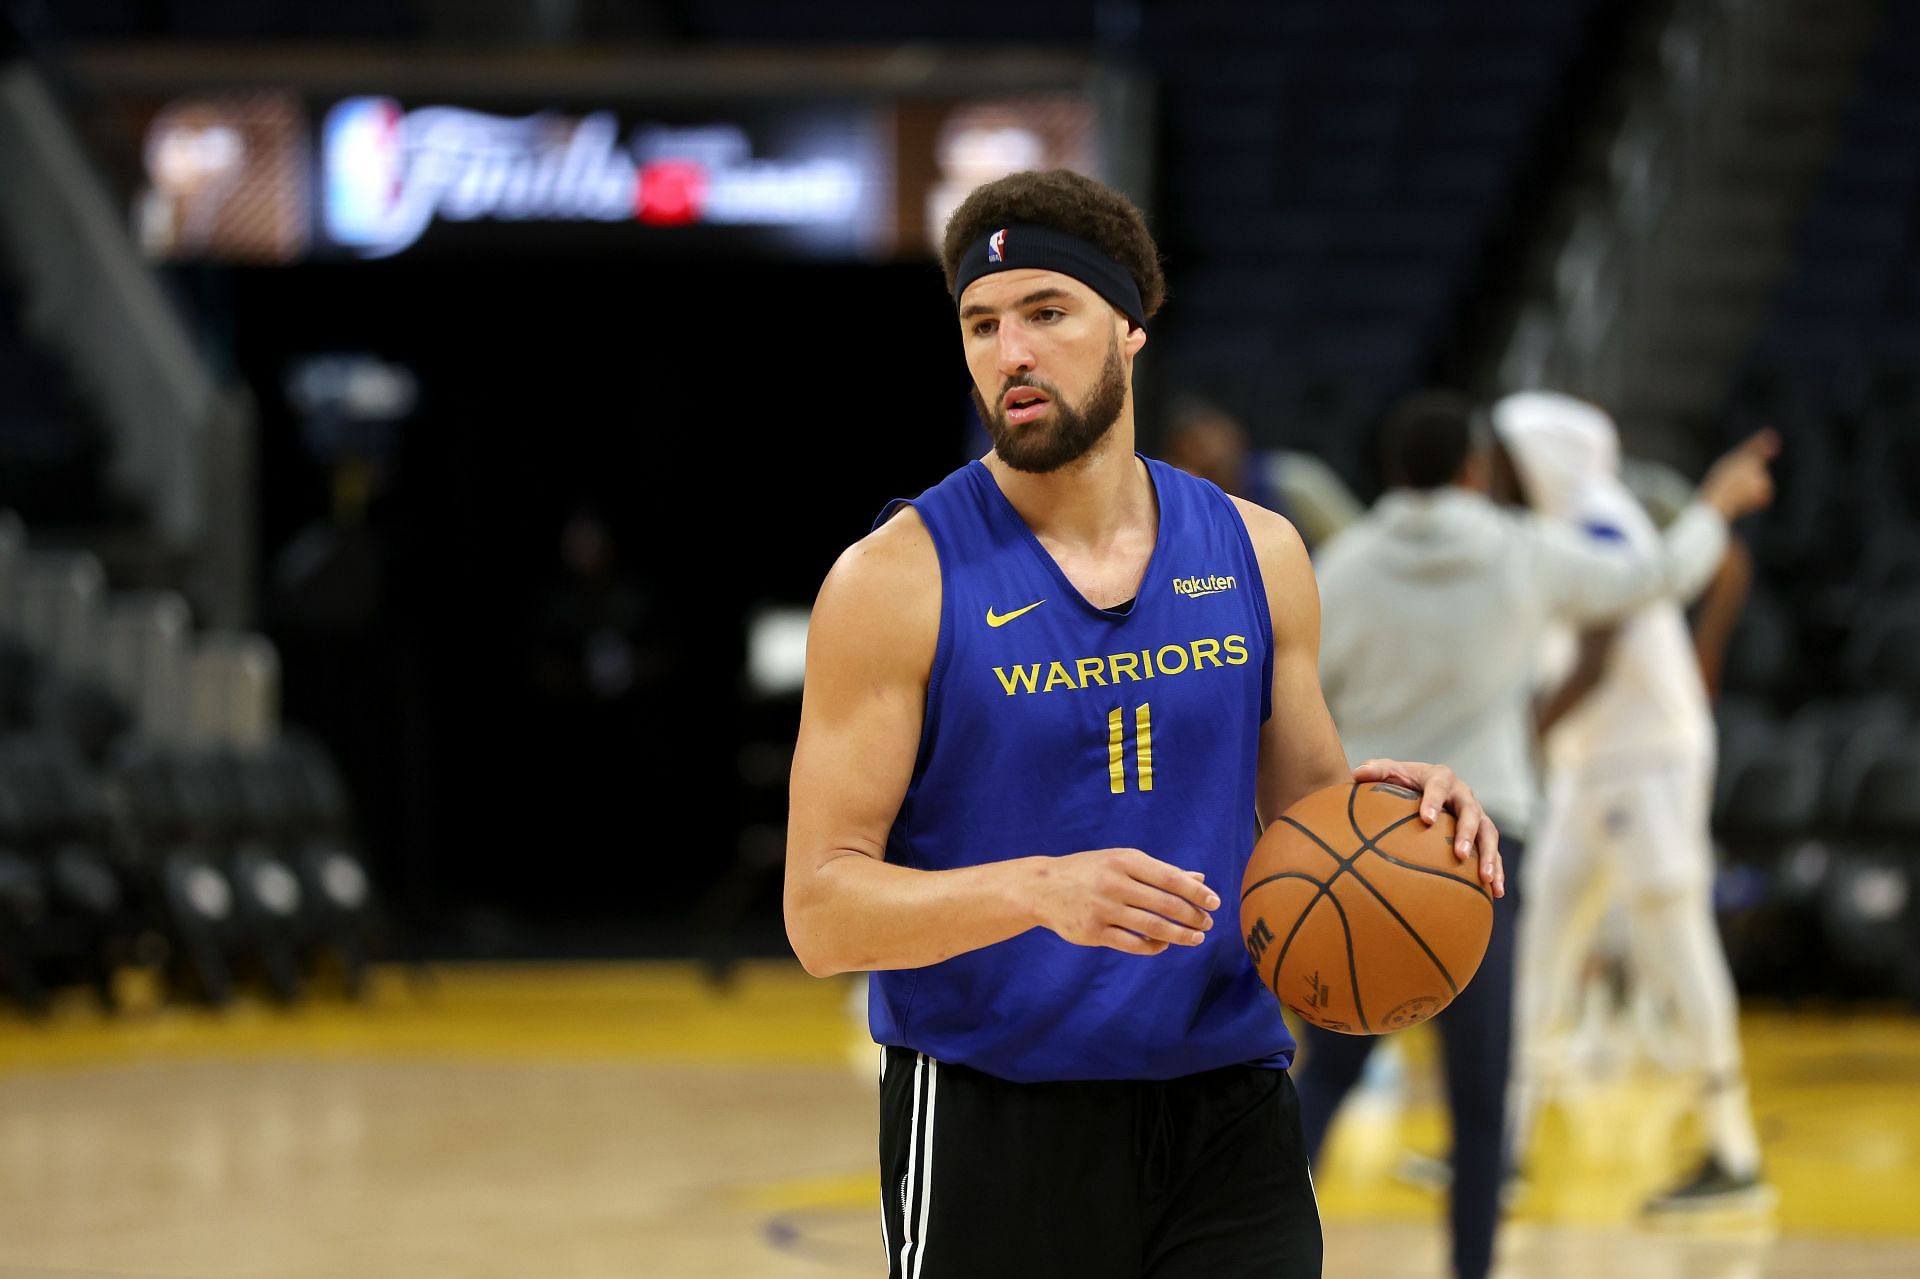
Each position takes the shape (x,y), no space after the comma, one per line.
(1136,338)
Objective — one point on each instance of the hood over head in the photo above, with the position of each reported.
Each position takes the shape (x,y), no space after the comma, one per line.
(1560,446)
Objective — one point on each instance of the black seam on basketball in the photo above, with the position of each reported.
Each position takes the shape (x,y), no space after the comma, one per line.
(1353,797)
(1280,958)
(1281,955)
(1478,891)
(1326,885)
(1390,829)
(1325,847)
(1418,939)
(1353,970)
(1373,846)
(1326,891)
(1285,874)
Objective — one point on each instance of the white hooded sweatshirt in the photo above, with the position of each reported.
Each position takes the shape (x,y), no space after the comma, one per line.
(1434,610)
(1650,708)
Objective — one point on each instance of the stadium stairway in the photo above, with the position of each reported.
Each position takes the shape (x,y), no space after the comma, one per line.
(1677,225)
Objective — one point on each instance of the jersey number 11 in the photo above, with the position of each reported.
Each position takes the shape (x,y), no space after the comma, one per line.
(1116,747)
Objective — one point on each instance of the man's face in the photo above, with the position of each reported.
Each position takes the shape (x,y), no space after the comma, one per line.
(1052,365)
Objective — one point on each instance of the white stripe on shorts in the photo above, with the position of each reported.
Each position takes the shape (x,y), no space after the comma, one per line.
(919,1179)
(886,1237)
(913,1167)
(926,1173)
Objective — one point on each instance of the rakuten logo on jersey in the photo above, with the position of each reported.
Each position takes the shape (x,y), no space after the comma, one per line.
(389,174)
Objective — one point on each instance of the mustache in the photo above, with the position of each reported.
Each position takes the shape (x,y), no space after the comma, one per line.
(1029,381)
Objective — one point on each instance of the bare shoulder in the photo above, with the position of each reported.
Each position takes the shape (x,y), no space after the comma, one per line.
(896,561)
(1276,544)
(880,603)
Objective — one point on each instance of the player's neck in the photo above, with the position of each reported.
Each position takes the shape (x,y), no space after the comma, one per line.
(1089,501)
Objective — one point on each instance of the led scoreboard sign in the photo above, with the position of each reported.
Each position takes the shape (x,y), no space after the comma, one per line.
(275,176)
(388,174)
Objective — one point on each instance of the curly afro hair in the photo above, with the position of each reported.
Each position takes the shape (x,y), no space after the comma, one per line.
(1066,201)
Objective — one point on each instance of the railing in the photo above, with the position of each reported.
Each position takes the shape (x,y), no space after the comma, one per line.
(1623,279)
(180,442)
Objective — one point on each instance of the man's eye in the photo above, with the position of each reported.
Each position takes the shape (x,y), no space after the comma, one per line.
(1048,314)
(983,328)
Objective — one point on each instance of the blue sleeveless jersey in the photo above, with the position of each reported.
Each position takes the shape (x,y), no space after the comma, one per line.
(1053,727)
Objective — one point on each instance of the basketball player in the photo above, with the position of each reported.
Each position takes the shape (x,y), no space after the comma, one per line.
(1436,605)
(1629,794)
(1045,701)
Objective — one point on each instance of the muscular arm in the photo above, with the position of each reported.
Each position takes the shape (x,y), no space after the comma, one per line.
(870,650)
(1300,749)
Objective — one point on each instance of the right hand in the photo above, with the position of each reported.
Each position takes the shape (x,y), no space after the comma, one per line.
(1123,899)
(1739,483)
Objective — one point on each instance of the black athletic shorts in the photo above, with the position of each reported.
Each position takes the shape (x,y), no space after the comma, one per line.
(1203,1177)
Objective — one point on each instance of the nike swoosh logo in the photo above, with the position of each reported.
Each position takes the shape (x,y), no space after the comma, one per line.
(997,620)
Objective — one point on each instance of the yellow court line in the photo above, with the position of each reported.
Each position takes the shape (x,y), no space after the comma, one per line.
(772,1014)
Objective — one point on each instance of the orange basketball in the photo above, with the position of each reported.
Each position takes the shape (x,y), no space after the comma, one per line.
(1358,915)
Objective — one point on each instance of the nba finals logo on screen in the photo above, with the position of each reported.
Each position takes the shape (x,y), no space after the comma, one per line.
(390,174)
(363,171)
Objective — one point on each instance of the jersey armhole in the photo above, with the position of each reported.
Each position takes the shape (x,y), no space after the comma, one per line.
(1260,608)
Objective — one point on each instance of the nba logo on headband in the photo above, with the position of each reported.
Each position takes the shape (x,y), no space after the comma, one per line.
(1045,248)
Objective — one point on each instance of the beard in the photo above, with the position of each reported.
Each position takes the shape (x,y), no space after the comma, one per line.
(1068,431)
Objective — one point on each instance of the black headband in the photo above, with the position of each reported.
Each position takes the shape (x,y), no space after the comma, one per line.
(1042,248)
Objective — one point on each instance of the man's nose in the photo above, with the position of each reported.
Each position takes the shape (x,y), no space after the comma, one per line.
(1015,354)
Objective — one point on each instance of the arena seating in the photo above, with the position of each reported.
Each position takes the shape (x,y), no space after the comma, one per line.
(153,814)
(1825,666)
(1331,176)
(1834,367)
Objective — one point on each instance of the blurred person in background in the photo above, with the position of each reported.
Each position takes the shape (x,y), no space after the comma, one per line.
(1024,841)
(605,701)
(1206,440)
(593,641)
(1436,605)
(1614,1019)
(1629,743)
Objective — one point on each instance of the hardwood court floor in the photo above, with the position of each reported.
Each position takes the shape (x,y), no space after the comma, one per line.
(603,1122)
